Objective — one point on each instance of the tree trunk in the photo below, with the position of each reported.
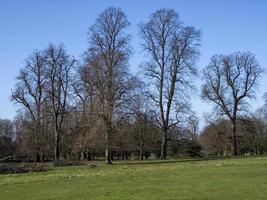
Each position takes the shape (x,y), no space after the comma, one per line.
(41,157)
(56,145)
(89,156)
(141,156)
(163,154)
(108,155)
(107,150)
(141,146)
(234,138)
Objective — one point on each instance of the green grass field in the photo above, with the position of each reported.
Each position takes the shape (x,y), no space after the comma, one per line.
(244,178)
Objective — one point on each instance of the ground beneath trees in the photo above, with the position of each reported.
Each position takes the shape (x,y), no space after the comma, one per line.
(244,178)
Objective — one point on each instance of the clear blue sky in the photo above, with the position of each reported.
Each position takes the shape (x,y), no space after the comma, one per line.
(227,26)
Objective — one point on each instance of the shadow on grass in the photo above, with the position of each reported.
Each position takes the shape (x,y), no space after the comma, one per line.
(141,162)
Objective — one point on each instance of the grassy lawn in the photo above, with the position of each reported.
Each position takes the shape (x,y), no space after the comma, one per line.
(244,178)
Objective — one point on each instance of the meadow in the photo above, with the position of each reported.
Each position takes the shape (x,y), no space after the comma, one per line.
(241,178)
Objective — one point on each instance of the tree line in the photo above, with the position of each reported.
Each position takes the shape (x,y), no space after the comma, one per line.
(95,107)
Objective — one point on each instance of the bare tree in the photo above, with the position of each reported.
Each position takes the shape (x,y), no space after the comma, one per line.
(172,49)
(193,126)
(215,138)
(59,66)
(141,108)
(108,58)
(30,92)
(229,81)
(86,106)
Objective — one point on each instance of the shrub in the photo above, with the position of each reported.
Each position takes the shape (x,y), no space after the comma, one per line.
(60,163)
(12,168)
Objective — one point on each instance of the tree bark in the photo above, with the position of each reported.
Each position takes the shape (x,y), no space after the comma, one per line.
(140,144)
(163,154)
(107,148)
(56,145)
(234,138)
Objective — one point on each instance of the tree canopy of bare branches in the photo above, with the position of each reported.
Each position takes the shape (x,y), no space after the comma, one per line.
(30,92)
(42,83)
(230,80)
(107,58)
(172,50)
(59,66)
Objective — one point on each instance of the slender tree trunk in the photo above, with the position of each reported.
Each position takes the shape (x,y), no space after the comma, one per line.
(89,156)
(107,150)
(107,156)
(56,145)
(163,155)
(234,137)
(141,145)
(141,156)
(41,157)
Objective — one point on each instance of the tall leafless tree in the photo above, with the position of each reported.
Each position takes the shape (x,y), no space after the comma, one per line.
(87,121)
(172,49)
(59,66)
(229,80)
(108,58)
(141,108)
(30,91)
